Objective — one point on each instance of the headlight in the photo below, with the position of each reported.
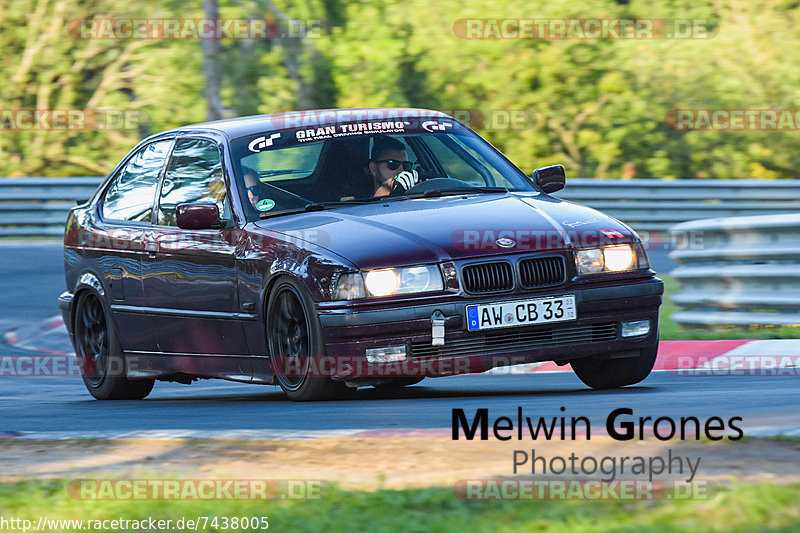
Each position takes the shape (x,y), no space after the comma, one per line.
(615,258)
(388,281)
(382,282)
(618,258)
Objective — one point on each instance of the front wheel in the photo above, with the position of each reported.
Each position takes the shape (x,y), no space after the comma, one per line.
(615,373)
(296,347)
(100,355)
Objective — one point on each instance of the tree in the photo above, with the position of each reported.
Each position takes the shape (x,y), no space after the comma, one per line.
(212,50)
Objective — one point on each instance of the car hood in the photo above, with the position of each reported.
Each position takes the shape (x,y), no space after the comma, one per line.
(426,230)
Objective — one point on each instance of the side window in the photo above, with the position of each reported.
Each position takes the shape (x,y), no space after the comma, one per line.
(499,179)
(130,196)
(194,174)
(453,165)
(457,167)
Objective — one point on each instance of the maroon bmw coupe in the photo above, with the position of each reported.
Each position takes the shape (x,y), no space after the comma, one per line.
(326,250)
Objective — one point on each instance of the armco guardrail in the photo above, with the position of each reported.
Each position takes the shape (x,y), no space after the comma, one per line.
(654,204)
(738,271)
(38,206)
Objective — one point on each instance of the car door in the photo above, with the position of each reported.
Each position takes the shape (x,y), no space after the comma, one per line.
(189,280)
(116,243)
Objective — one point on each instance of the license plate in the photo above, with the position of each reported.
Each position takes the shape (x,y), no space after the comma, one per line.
(521,313)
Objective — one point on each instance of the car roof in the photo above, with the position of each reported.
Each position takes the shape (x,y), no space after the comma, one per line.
(243,126)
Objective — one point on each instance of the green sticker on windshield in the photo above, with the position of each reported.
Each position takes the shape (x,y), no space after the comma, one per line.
(265,204)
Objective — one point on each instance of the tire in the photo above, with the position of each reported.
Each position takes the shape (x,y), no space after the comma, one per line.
(100,355)
(296,347)
(615,373)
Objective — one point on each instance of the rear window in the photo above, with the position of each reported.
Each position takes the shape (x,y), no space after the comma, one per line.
(132,191)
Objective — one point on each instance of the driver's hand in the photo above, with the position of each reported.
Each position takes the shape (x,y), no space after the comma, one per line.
(406,179)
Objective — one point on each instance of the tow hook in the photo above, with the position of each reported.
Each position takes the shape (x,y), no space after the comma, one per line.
(437,328)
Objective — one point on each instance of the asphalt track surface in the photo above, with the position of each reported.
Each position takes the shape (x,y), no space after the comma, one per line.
(31,278)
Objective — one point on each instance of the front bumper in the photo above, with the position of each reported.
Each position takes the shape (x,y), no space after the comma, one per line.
(595,333)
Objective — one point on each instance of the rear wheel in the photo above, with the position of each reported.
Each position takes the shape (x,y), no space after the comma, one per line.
(296,347)
(100,354)
(614,373)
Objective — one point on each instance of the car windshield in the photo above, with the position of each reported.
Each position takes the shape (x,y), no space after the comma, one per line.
(336,164)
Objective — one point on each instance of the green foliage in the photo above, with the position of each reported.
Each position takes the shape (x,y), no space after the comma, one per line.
(597,106)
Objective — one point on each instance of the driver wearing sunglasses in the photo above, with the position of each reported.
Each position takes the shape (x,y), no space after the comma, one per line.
(390,168)
(255,188)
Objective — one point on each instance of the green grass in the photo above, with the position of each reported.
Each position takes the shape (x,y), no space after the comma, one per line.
(671,330)
(738,509)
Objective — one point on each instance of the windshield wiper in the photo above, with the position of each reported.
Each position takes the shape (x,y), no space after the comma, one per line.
(319,206)
(313,206)
(457,190)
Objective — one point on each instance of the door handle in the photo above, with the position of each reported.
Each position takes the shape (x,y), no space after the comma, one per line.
(151,248)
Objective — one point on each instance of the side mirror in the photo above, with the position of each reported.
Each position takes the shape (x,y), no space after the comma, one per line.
(197,216)
(550,179)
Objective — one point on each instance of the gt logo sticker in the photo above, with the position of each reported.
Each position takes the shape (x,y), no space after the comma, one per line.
(432,125)
(260,143)
(265,204)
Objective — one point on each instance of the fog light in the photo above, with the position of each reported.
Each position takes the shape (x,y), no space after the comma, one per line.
(635,329)
(386,354)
